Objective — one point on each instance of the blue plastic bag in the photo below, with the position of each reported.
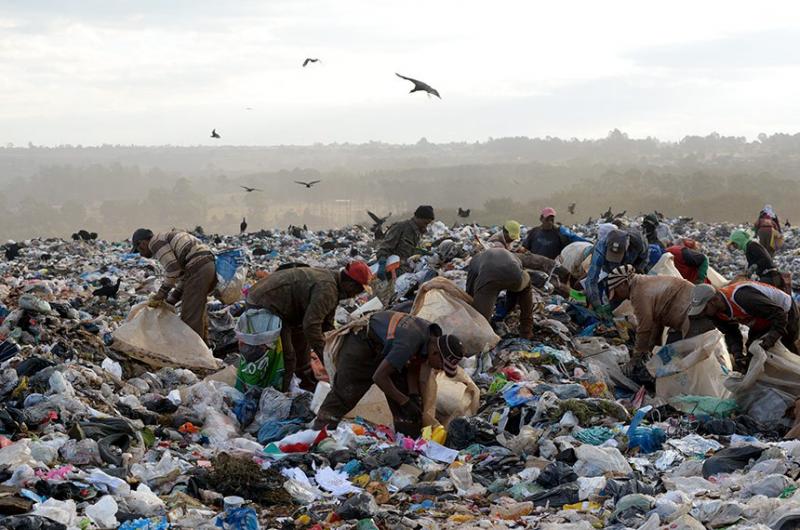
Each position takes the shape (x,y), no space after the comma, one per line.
(274,430)
(145,524)
(238,519)
(648,439)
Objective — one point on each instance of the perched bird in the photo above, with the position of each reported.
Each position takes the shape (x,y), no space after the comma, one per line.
(84,235)
(307,184)
(12,250)
(608,214)
(571,209)
(787,224)
(621,214)
(377,228)
(309,60)
(419,86)
(248,190)
(659,215)
(214,134)
(463,213)
(76,237)
(93,236)
(106,288)
(243,226)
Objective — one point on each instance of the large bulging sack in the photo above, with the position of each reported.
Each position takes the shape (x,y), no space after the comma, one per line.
(697,366)
(261,364)
(665,266)
(158,337)
(441,302)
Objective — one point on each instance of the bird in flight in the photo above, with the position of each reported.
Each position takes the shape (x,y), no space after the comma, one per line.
(309,60)
(377,228)
(248,108)
(419,86)
(463,213)
(248,190)
(307,184)
(571,209)
(214,134)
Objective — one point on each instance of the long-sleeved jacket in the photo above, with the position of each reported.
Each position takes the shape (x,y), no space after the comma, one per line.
(759,306)
(636,255)
(178,252)
(495,265)
(401,239)
(758,257)
(550,243)
(692,265)
(305,297)
(658,302)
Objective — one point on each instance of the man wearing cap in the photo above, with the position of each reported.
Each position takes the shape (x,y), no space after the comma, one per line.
(658,302)
(305,299)
(549,239)
(768,312)
(389,352)
(505,237)
(619,247)
(190,273)
(402,239)
(495,270)
(690,262)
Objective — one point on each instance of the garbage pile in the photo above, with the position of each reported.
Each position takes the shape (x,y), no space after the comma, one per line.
(540,433)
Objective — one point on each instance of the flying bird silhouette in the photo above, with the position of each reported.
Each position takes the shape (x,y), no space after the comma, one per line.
(377,227)
(463,213)
(571,209)
(249,189)
(243,226)
(307,184)
(214,134)
(309,60)
(419,86)
(106,288)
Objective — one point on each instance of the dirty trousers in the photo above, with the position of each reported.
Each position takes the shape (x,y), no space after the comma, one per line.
(296,355)
(485,298)
(355,366)
(197,285)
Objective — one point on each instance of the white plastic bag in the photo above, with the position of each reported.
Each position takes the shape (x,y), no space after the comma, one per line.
(258,327)
(697,366)
(231,275)
(665,266)
(158,337)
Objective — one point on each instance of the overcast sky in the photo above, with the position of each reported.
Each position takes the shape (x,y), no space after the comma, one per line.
(167,72)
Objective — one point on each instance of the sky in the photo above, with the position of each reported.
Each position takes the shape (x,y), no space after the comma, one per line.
(153,72)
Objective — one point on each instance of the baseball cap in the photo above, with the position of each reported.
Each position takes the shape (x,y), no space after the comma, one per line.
(140,235)
(513,229)
(616,245)
(358,271)
(701,295)
(452,353)
(548,212)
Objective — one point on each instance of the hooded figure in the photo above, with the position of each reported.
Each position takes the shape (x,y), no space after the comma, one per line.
(758,259)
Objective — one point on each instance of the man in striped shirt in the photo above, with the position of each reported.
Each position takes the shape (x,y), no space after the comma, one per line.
(189,273)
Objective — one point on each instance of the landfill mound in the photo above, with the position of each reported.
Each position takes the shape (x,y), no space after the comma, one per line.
(93,438)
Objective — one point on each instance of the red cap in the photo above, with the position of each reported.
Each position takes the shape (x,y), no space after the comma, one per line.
(358,271)
(548,212)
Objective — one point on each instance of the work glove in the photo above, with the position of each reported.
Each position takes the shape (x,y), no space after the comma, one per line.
(382,270)
(769,340)
(156,300)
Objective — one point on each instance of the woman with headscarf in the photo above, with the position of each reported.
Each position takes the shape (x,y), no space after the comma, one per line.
(768,230)
(759,259)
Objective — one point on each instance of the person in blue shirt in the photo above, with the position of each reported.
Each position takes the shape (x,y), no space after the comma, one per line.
(549,239)
(619,247)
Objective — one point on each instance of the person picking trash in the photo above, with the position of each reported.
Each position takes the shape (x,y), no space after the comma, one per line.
(190,273)
(389,352)
(690,262)
(619,247)
(402,239)
(658,302)
(759,260)
(769,313)
(305,299)
(549,238)
(495,270)
(505,237)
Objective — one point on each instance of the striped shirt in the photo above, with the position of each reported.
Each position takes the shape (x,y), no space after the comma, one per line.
(177,252)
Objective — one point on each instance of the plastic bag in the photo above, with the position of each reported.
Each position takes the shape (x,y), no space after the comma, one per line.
(595,461)
(694,366)
(778,369)
(261,363)
(158,337)
(665,266)
(441,302)
(231,275)
(104,512)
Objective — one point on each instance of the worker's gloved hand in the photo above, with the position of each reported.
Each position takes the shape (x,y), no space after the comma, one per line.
(382,270)
(156,300)
(769,340)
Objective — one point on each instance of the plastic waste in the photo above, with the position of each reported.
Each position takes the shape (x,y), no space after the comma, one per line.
(231,269)
(104,512)
(648,439)
(238,519)
(730,459)
(595,461)
(261,363)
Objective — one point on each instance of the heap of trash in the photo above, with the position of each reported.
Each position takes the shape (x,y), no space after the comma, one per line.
(98,431)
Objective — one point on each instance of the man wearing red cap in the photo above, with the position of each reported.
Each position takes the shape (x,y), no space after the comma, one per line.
(306,299)
(549,239)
